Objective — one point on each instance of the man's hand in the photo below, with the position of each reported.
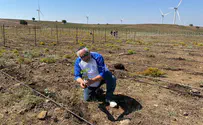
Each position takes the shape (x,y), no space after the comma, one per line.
(89,82)
(83,84)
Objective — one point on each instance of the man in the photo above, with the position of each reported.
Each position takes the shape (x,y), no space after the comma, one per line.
(90,71)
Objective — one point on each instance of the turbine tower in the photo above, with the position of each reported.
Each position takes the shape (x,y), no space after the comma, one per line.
(39,11)
(121,21)
(87,19)
(176,12)
(163,15)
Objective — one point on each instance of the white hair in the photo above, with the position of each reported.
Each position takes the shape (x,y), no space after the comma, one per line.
(78,52)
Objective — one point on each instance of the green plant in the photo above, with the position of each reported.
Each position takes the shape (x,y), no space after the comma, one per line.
(200,44)
(48,93)
(182,43)
(42,43)
(49,59)
(67,56)
(130,52)
(84,73)
(46,50)
(23,22)
(53,43)
(154,72)
(146,49)
(64,21)
(15,52)
(33,19)
(22,60)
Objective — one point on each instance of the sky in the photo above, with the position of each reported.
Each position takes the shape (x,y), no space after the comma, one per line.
(104,11)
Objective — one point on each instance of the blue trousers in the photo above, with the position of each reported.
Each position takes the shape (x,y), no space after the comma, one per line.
(110,81)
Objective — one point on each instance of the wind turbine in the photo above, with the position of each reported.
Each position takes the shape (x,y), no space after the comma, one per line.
(176,12)
(87,19)
(121,21)
(163,15)
(39,11)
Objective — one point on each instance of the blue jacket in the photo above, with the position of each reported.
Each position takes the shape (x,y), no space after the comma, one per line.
(100,64)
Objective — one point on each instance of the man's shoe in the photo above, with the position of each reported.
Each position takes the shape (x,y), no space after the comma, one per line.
(112,104)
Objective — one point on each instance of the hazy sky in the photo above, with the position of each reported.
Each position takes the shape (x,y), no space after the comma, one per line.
(104,11)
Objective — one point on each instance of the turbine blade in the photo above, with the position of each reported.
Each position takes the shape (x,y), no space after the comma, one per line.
(38,5)
(167,13)
(179,3)
(179,16)
(41,13)
(171,8)
(161,12)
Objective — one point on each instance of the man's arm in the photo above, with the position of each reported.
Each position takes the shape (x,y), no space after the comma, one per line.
(93,80)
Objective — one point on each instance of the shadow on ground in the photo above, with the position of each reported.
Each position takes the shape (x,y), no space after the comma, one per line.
(126,105)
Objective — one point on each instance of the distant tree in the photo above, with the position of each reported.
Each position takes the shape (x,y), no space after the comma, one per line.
(64,21)
(197,27)
(33,19)
(191,25)
(23,22)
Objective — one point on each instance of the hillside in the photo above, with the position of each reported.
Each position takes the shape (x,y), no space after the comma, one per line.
(134,27)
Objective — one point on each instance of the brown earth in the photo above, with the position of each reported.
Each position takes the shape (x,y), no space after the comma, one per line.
(172,99)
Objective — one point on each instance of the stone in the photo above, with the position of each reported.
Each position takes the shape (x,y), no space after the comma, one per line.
(42,115)
(125,122)
(1,116)
(194,92)
(47,101)
(1,88)
(119,66)
(185,114)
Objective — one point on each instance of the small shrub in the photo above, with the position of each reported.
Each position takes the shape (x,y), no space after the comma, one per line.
(42,43)
(146,49)
(154,72)
(15,52)
(53,43)
(197,27)
(182,43)
(67,56)
(22,60)
(46,50)
(23,22)
(81,44)
(130,52)
(64,21)
(48,60)
(200,44)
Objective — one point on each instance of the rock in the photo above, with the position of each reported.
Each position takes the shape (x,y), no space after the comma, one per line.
(185,114)
(67,115)
(42,64)
(31,83)
(155,105)
(119,66)
(42,115)
(1,116)
(194,92)
(55,119)
(125,122)
(47,101)
(22,111)
(1,88)
(17,85)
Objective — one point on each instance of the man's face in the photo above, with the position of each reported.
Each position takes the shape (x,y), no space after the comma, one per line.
(84,55)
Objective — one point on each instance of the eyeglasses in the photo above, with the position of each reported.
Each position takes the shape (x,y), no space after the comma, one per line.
(86,54)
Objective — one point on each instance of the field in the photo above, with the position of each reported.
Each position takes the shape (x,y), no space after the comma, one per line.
(162,83)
